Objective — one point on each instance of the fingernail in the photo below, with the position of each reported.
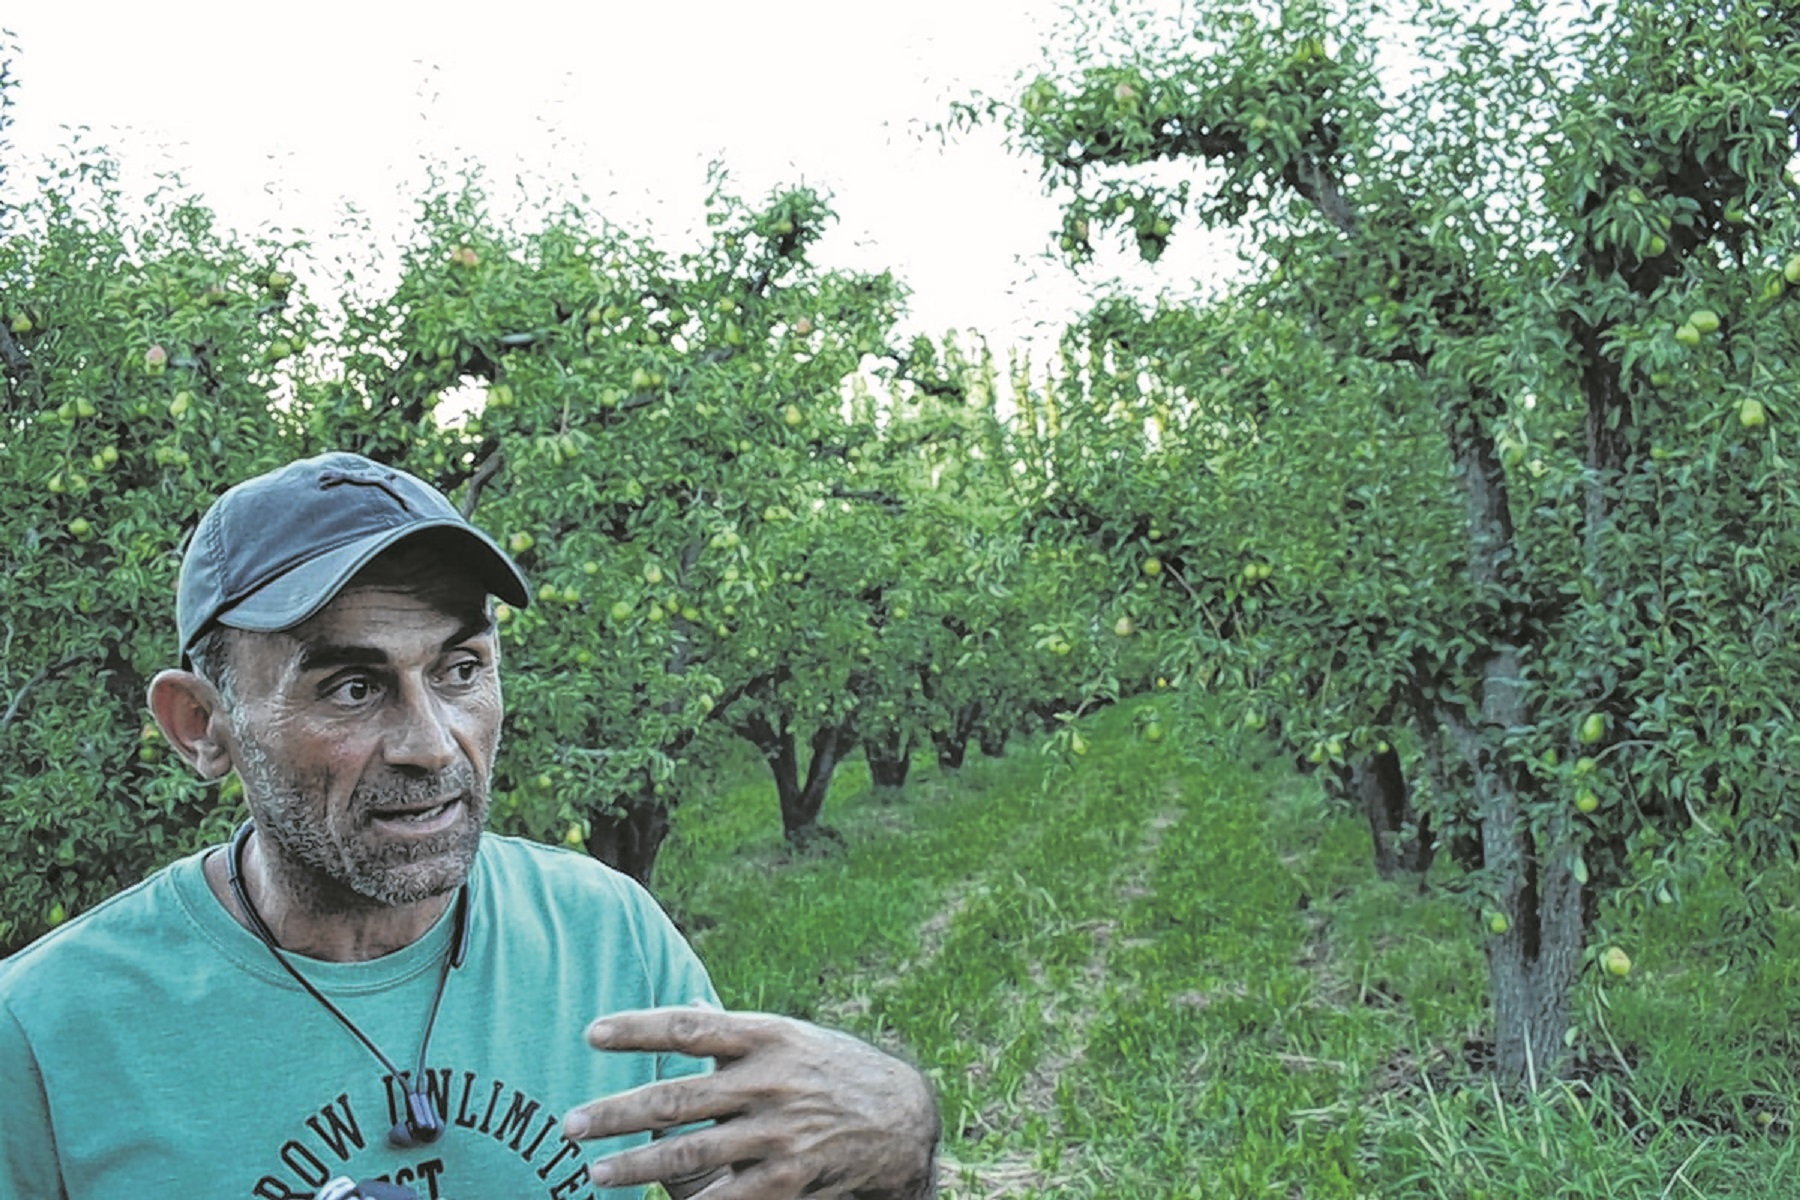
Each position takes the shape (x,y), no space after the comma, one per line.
(600,1173)
(574,1127)
(598,1032)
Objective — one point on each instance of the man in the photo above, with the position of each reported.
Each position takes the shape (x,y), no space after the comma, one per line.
(364,993)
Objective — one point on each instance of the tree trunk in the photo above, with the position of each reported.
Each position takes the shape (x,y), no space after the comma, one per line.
(800,812)
(1464,845)
(888,764)
(953,744)
(800,800)
(950,750)
(1532,967)
(629,840)
(1379,787)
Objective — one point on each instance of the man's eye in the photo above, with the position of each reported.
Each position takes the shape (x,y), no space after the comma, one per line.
(465,670)
(353,691)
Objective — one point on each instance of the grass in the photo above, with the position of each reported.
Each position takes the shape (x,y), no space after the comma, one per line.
(1169,974)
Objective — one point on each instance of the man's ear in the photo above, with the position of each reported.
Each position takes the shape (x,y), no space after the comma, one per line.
(192,717)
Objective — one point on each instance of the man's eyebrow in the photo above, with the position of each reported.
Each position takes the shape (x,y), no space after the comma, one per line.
(328,656)
(473,628)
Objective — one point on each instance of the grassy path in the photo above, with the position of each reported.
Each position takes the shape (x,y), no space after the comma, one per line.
(1161,976)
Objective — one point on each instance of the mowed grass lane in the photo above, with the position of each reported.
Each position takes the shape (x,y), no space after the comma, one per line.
(1150,973)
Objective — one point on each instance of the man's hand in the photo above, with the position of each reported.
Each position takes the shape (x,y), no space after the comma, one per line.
(799,1110)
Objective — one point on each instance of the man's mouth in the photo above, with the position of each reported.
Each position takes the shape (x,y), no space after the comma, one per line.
(425,818)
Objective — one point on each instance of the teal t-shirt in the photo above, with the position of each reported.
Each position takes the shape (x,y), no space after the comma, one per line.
(154,1047)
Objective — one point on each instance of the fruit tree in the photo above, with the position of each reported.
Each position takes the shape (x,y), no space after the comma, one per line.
(1554,241)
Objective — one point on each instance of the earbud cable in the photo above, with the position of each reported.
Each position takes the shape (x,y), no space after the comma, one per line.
(413,1083)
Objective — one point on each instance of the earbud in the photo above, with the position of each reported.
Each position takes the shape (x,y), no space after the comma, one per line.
(377,1189)
(422,1125)
(342,1188)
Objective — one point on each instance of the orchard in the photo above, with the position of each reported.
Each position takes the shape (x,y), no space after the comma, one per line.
(1466,493)
(1500,408)
(732,535)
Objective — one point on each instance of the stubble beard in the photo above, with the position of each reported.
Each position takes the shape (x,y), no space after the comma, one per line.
(345,864)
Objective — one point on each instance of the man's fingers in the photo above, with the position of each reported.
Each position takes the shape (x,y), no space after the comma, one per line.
(688,1156)
(700,1032)
(763,1181)
(801,1110)
(651,1108)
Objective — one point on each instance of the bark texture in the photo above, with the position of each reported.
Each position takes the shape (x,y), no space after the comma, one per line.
(1401,837)
(629,840)
(889,762)
(1532,966)
(801,798)
(952,744)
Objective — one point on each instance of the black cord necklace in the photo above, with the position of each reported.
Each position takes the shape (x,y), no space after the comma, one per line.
(422,1123)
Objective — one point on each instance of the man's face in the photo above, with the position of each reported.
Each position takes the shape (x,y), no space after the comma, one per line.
(365,736)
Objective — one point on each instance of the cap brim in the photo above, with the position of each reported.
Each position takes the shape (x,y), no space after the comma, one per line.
(292,597)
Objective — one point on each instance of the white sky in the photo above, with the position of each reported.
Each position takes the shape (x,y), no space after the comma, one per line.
(279,115)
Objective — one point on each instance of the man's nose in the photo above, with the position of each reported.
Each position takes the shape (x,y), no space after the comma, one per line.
(421,732)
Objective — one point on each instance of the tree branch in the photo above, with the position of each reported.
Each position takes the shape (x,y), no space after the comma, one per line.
(1310,178)
(46,675)
(489,461)
(10,354)
(892,503)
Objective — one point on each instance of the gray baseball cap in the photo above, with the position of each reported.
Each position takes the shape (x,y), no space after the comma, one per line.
(274,550)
